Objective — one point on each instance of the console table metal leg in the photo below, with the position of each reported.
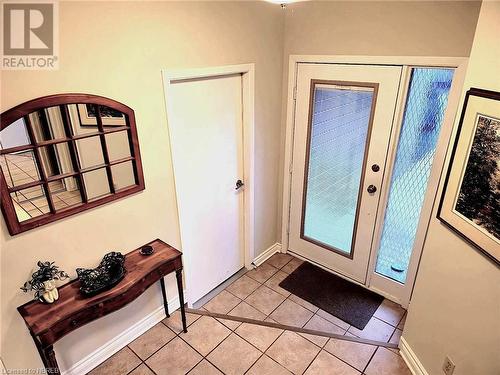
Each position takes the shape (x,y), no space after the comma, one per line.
(178,275)
(164,294)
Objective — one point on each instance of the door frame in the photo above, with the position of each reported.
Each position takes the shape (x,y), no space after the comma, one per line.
(402,294)
(247,72)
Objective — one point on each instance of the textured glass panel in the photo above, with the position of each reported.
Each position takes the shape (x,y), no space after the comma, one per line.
(425,107)
(340,123)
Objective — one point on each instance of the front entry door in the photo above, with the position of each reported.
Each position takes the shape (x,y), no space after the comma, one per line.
(343,120)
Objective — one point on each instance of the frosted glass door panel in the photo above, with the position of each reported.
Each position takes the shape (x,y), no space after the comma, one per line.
(425,107)
(338,132)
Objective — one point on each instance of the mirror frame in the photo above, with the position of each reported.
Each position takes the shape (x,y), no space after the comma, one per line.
(23,110)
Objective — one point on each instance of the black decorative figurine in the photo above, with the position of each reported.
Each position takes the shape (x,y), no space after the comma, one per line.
(109,272)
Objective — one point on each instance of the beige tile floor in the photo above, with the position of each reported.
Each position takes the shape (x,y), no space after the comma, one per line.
(217,346)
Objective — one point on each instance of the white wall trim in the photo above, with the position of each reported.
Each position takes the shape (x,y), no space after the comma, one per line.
(444,61)
(411,358)
(105,351)
(266,254)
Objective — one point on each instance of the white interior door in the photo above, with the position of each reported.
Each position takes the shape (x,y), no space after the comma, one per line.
(206,132)
(343,120)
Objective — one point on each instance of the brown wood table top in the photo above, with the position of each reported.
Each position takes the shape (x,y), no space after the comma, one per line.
(40,317)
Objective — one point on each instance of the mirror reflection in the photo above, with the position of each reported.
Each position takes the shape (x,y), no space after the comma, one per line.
(62,156)
(109,117)
(123,175)
(47,124)
(89,152)
(14,135)
(56,159)
(30,203)
(118,145)
(96,183)
(19,168)
(65,193)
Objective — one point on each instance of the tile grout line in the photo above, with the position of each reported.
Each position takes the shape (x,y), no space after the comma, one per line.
(310,363)
(224,339)
(236,333)
(269,347)
(383,321)
(150,369)
(162,346)
(204,357)
(157,350)
(264,352)
(371,357)
(265,286)
(140,363)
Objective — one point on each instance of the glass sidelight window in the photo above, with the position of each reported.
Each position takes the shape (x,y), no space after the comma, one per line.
(425,107)
(339,127)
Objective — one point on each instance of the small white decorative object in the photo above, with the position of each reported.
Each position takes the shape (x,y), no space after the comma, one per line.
(51,294)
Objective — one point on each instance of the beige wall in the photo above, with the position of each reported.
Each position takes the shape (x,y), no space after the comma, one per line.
(118,49)
(375,28)
(455,307)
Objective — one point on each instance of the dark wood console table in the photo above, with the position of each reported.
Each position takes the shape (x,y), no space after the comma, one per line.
(47,323)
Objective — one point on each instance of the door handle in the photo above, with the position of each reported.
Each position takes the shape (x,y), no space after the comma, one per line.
(371,189)
(239,185)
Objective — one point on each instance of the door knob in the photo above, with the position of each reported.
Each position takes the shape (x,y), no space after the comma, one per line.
(239,184)
(371,189)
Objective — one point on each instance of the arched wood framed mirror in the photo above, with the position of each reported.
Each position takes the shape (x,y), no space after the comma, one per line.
(63,154)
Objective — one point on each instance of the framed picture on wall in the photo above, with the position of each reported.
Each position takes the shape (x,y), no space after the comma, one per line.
(109,116)
(470,203)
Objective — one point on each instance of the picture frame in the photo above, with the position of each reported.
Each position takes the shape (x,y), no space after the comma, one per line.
(470,201)
(109,116)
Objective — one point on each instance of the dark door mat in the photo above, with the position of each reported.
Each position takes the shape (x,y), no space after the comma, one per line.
(347,301)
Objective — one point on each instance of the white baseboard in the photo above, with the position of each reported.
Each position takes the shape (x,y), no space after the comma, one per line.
(102,353)
(266,254)
(411,358)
